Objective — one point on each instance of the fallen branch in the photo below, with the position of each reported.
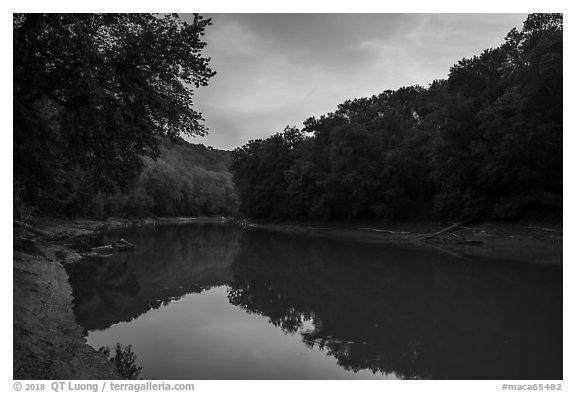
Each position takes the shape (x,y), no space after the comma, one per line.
(436,234)
(383,231)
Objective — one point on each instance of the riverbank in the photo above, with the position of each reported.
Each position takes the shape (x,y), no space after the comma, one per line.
(536,242)
(49,344)
(524,242)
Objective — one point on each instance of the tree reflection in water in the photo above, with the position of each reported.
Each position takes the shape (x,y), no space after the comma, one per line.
(167,264)
(398,310)
(388,309)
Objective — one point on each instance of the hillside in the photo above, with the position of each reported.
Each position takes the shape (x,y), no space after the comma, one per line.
(187,179)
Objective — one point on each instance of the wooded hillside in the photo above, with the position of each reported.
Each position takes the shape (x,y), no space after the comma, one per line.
(486,142)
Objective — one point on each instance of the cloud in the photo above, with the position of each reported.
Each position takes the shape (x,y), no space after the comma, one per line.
(275,70)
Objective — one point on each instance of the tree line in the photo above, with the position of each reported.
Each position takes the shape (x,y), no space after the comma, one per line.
(485,142)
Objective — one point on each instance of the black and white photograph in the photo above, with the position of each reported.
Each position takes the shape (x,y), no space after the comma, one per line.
(221,196)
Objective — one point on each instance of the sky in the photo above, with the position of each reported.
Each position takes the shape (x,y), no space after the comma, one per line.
(277,70)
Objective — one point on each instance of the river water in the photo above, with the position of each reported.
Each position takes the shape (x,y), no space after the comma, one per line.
(218,302)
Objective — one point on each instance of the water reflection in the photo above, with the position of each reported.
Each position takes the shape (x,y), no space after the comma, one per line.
(403,311)
(390,310)
(168,263)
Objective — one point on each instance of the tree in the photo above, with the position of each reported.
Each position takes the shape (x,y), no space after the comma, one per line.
(486,142)
(94,92)
(124,360)
(499,150)
(259,170)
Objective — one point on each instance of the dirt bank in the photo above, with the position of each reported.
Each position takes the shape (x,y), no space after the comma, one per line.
(528,242)
(48,343)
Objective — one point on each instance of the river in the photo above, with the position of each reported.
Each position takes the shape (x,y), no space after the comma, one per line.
(218,302)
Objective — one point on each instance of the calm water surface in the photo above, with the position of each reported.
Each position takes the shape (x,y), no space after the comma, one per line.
(217,302)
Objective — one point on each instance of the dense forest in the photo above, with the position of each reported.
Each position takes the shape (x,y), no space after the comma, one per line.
(101,102)
(186,179)
(485,142)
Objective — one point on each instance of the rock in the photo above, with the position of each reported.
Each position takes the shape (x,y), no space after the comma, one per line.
(123,245)
(242,223)
(68,256)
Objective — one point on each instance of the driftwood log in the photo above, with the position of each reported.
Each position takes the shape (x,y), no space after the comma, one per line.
(436,234)
(383,231)
(442,235)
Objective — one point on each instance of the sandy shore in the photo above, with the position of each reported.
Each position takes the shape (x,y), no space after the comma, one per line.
(48,343)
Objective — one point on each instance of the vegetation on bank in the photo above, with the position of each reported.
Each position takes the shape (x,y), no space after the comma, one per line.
(486,142)
(96,98)
(185,180)
(100,102)
(124,360)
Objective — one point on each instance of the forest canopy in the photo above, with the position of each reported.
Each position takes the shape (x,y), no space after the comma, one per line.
(94,94)
(101,101)
(485,142)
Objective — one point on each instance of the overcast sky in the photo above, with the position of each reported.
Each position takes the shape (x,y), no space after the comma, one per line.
(275,70)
